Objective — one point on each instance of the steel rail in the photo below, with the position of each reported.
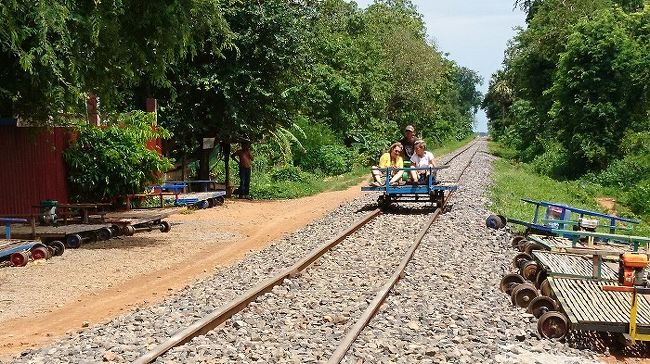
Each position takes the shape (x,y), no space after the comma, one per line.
(218,316)
(476,140)
(381,296)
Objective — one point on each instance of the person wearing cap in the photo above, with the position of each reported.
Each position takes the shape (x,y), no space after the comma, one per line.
(421,158)
(393,158)
(408,142)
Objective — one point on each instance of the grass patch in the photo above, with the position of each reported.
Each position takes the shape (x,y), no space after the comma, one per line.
(514,181)
(264,187)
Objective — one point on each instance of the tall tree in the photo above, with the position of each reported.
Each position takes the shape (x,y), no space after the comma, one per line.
(56,52)
(242,91)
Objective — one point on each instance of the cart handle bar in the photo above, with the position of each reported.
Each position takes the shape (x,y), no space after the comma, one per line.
(640,290)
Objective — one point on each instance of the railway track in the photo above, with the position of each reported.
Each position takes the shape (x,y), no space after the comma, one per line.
(382,246)
(444,309)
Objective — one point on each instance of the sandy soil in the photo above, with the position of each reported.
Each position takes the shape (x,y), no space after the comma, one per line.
(43,301)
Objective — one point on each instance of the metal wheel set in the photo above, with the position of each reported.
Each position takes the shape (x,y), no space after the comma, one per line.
(580,279)
(17,253)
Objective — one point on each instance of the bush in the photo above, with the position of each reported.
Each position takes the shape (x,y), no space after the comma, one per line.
(312,136)
(638,199)
(289,174)
(114,161)
(553,162)
(331,160)
(625,173)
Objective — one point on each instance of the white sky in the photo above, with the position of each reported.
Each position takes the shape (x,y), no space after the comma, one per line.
(474,33)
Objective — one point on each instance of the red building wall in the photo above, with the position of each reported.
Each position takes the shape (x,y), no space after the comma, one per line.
(32,168)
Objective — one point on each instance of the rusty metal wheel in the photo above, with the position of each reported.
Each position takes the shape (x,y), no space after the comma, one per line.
(58,247)
(165,227)
(541,305)
(40,252)
(515,240)
(128,230)
(529,270)
(73,241)
(440,199)
(545,288)
(116,230)
(103,234)
(509,281)
(19,259)
(521,244)
(531,246)
(523,294)
(494,222)
(520,259)
(553,325)
(540,278)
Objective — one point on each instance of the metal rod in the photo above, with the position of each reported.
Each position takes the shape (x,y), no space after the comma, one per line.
(380,297)
(217,317)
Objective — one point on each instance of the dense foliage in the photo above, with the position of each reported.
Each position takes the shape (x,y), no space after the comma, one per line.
(114,160)
(319,85)
(573,96)
(54,53)
(328,73)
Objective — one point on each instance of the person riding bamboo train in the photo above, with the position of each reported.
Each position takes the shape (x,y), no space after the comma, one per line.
(393,158)
(408,142)
(421,158)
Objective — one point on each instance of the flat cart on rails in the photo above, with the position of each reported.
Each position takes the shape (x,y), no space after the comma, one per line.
(549,216)
(201,200)
(572,257)
(593,305)
(134,221)
(71,235)
(432,191)
(18,252)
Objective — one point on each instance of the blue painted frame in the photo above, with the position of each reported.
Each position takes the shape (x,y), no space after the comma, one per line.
(411,193)
(563,220)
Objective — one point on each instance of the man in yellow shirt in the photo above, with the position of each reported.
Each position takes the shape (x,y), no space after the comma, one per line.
(393,158)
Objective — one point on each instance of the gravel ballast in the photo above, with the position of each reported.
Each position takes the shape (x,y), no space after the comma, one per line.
(447,308)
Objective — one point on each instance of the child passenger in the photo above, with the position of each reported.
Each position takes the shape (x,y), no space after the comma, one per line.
(393,158)
(421,158)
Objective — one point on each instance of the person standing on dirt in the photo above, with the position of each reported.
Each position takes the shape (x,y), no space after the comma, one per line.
(244,158)
(408,142)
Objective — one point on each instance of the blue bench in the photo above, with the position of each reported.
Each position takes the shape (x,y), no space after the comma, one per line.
(8,221)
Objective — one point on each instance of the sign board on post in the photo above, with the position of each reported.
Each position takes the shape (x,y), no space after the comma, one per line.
(208,143)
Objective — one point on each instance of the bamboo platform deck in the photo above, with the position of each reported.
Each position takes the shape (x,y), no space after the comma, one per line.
(26,232)
(136,217)
(590,308)
(574,265)
(561,244)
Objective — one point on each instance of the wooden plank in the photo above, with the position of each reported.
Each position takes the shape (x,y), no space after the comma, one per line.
(588,307)
(570,265)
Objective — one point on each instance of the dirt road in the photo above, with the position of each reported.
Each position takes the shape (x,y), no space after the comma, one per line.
(42,302)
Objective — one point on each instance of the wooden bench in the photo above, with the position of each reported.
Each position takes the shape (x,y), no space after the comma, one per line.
(142,196)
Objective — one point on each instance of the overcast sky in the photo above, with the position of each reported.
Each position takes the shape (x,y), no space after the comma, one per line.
(473,32)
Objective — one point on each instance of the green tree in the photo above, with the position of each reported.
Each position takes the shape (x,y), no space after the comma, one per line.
(56,52)
(600,89)
(241,92)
